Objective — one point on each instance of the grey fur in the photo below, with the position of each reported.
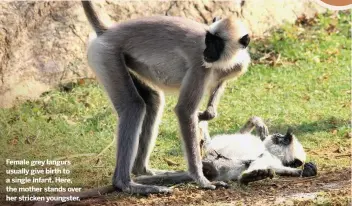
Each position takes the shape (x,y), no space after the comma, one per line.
(138,59)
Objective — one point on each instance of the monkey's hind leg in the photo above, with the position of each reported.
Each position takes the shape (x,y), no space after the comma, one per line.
(154,101)
(131,108)
(257,170)
(259,125)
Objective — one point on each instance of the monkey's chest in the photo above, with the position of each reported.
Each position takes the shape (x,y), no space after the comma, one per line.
(233,73)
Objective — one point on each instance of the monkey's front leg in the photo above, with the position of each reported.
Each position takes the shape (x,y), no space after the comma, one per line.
(211,110)
(309,170)
(190,96)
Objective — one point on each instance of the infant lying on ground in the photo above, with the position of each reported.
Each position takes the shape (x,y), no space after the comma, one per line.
(245,157)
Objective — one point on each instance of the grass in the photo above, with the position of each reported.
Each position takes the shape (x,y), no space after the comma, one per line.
(300,78)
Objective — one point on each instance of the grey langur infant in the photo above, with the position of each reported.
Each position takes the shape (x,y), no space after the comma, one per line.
(246,158)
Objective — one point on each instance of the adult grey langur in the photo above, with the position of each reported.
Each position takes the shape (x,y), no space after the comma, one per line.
(245,157)
(137,60)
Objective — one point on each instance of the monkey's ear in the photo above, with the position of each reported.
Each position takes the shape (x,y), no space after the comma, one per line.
(289,132)
(289,135)
(214,47)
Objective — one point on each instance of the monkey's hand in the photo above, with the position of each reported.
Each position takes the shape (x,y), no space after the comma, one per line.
(209,114)
(309,170)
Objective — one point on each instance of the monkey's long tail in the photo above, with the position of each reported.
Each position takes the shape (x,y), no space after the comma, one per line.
(167,178)
(98,26)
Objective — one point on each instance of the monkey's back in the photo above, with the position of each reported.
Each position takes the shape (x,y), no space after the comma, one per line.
(160,49)
(159,33)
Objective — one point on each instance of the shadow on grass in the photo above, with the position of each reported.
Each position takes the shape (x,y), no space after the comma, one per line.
(324,125)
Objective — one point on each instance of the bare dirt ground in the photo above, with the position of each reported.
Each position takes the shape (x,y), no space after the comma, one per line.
(329,187)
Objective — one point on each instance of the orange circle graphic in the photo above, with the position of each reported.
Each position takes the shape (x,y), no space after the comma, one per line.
(338,2)
(335,4)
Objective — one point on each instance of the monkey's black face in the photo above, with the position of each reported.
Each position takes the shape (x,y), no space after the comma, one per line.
(284,140)
(214,47)
(244,41)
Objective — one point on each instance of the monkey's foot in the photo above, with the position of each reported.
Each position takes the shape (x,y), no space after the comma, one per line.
(135,188)
(204,183)
(262,131)
(261,128)
(221,184)
(256,175)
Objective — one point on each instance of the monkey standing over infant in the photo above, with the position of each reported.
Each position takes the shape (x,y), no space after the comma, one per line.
(138,59)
